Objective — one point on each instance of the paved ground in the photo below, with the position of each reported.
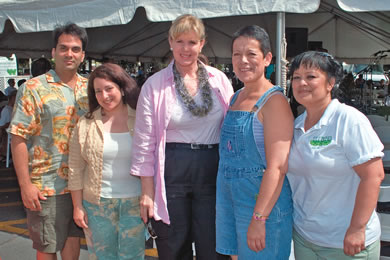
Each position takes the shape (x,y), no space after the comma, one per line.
(14,241)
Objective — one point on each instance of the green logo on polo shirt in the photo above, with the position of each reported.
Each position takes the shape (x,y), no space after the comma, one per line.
(321,141)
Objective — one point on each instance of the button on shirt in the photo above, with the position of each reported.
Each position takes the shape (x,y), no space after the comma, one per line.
(45,113)
(321,176)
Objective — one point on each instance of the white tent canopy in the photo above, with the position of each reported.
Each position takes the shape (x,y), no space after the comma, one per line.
(43,15)
(117,29)
(364,6)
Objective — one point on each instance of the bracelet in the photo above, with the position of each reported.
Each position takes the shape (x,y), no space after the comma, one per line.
(257,216)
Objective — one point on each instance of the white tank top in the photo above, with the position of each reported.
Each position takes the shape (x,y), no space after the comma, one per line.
(184,127)
(116,180)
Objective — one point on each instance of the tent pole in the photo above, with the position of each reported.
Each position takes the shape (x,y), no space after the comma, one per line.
(280,28)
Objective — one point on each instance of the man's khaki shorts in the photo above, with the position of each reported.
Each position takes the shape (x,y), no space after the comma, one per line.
(50,227)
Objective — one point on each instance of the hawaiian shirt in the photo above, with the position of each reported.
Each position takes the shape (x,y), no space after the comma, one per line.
(45,113)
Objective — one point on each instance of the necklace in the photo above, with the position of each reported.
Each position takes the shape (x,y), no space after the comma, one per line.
(204,88)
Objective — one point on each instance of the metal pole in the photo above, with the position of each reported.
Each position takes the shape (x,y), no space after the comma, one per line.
(280,27)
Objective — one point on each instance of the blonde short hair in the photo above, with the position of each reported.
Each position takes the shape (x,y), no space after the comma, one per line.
(186,23)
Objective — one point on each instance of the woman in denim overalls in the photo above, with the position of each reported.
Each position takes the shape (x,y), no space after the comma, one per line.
(254,206)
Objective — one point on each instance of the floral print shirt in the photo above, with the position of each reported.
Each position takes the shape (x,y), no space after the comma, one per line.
(45,113)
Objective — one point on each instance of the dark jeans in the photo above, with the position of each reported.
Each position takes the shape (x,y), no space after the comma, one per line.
(190,181)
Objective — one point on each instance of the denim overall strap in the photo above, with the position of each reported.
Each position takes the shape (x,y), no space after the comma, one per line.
(235,95)
(263,99)
(258,129)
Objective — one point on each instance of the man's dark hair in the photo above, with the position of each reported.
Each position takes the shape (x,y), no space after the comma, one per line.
(11,81)
(20,82)
(72,29)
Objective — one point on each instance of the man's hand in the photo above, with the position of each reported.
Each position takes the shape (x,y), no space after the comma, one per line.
(31,196)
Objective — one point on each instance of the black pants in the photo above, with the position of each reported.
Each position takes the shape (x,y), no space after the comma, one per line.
(190,181)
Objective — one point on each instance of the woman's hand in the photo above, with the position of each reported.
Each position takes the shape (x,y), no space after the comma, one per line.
(80,217)
(147,198)
(354,241)
(256,235)
(371,174)
(146,207)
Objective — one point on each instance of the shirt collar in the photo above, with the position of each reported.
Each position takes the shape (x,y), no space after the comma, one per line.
(52,77)
(324,120)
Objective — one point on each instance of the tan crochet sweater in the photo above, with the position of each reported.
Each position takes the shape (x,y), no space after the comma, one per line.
(86,155)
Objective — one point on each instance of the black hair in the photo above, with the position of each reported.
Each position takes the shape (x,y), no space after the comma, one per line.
(257,33)
(40,66)
(20,82)
(321,60)
(72,29)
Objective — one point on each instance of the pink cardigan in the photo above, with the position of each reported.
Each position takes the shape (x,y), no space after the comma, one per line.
(152,118)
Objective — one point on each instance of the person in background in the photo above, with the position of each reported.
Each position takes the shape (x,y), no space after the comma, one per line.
(40,66)
(254,206)
(360,83)
(382,84)
(6,112)
(3,99)
(5,119)
(10,88)
(335,168)
(21,82)
(46,111)
(105,196)
(175,148)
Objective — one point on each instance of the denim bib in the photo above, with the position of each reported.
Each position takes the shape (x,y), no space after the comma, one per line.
(237,146)
(240,173)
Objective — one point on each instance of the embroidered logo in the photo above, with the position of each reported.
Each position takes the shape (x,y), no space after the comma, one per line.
(320,141)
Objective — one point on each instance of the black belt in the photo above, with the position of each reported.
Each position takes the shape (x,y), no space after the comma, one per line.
(192,146)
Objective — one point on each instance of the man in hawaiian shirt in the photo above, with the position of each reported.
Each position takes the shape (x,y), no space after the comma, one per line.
(47,109)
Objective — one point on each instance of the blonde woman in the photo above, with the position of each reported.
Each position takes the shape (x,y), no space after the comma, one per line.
(175,151)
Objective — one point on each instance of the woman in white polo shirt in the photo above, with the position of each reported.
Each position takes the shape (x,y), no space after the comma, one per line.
(335,168)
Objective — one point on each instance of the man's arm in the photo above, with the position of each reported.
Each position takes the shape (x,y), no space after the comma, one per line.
(30,193)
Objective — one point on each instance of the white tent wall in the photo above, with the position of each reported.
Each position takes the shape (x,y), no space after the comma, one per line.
(350,37)
(345,41)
